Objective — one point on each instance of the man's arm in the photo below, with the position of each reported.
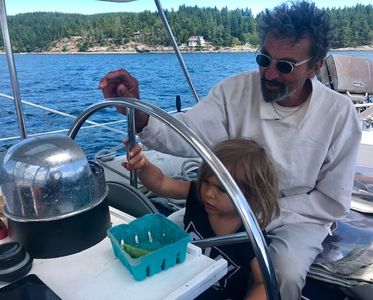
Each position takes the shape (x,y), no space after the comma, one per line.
(120,83)
(208,119)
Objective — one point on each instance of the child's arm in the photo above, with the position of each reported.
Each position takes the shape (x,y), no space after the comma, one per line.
(153,178)
(258,291)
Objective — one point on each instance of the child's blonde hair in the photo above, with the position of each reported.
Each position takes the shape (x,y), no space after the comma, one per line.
(253,171)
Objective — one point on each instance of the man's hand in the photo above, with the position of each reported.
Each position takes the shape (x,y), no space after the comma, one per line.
(120,83)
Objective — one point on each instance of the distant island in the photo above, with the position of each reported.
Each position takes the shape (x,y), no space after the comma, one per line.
(195,29)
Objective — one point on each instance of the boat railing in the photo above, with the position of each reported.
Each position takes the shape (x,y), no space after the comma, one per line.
(107,125)
(92,124)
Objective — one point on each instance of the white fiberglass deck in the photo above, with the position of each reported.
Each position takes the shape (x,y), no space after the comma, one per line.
(95,273)
(364,157)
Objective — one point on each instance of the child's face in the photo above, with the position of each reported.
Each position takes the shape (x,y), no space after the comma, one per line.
(214,198)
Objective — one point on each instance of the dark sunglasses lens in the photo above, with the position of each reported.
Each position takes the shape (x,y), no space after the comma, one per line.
(284,67)
(263,60)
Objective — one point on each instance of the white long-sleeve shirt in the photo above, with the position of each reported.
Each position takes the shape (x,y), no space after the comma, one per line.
(314,149)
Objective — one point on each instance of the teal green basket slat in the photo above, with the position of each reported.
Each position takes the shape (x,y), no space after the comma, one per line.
(169,241)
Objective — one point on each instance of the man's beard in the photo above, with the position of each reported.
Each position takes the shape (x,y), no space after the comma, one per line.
(274,95)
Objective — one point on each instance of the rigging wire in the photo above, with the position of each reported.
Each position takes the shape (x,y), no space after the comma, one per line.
(57,112)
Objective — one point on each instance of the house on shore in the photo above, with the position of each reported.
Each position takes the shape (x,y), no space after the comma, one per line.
(195,41)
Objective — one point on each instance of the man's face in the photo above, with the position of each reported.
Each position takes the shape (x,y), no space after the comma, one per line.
(286,89)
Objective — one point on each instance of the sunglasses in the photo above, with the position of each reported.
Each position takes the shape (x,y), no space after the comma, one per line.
(283,66)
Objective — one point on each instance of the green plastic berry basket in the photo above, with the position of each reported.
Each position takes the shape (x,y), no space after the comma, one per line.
(166,241)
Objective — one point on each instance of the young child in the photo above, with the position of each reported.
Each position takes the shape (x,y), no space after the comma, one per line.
(209,211)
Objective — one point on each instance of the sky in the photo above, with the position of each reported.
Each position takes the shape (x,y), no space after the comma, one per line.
(94,6)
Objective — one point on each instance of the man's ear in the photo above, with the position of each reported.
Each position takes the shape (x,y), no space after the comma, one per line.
(318,65)
(315,69)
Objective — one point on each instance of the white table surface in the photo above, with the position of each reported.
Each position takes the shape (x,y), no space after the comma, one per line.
(96,273)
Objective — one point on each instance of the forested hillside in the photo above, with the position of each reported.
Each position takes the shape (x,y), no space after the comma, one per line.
(32,32)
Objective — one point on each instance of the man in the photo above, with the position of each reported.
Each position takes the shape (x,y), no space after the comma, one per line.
(312,132)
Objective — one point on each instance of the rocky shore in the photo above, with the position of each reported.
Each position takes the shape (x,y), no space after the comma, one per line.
(163,49)
(360,48)
(73,45)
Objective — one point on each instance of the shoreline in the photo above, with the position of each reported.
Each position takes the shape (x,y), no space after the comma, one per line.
(167,51)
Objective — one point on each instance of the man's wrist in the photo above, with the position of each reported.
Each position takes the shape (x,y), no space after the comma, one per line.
(141,121)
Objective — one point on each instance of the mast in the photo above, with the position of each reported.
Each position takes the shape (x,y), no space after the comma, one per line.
(176,48)
(173,41)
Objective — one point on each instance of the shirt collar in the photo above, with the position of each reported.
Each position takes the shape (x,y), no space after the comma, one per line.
(267,111)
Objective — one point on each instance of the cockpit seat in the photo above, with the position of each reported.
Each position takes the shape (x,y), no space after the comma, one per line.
(128,199)
(348,74)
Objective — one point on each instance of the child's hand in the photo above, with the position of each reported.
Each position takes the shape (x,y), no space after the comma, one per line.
(136,158)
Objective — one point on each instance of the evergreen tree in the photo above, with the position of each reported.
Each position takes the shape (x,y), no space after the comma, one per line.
(32,32)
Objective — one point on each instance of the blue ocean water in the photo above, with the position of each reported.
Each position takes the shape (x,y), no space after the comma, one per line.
(69,82)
